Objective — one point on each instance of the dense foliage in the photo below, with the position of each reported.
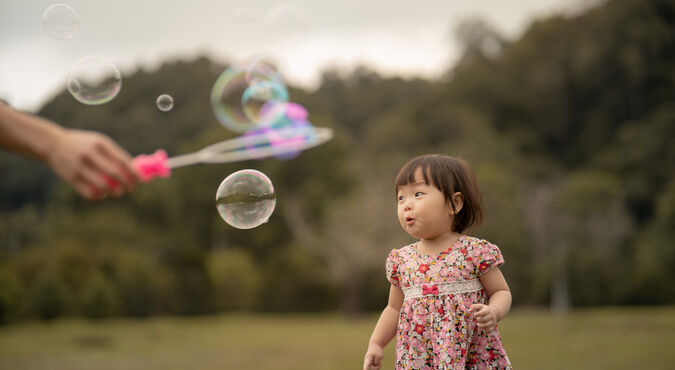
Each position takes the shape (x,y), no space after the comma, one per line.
(570,130)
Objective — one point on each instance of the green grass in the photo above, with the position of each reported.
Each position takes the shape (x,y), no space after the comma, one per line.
(606,338)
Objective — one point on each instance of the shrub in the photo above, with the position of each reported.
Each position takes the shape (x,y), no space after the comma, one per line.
(98,298)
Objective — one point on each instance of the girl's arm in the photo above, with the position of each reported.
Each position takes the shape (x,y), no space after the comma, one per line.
(385,329)
(499,301)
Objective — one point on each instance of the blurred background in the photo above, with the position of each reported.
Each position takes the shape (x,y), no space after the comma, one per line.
(565,109)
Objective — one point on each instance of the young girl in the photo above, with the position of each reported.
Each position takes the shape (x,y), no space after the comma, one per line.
(447,293)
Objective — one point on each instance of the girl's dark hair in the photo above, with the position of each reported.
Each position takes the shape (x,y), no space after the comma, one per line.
(449,175)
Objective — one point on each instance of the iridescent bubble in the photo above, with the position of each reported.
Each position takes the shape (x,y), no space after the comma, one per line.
(287,131)
(236,103)
(260,93)
(60,21)
(94,80)
(262,69)
(246,199)
(164,102)
(286,25)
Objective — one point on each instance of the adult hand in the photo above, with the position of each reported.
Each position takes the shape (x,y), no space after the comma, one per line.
(88,161)
(486,316)
(373,358)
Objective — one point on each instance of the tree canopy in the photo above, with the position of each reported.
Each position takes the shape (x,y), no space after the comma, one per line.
(569,129)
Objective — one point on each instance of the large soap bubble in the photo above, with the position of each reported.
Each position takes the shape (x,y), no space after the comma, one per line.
(236,100)
(246,199)
(287,131)
(60,21)
(94,80)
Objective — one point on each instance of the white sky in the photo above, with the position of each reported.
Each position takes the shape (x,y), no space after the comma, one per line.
(402,37)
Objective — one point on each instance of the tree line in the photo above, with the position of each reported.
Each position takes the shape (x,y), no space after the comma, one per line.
(569,129)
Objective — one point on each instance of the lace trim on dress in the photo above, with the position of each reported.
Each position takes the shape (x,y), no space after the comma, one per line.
(460,286)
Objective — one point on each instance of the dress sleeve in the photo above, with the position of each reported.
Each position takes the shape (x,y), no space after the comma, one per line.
(392,268)
(490,256)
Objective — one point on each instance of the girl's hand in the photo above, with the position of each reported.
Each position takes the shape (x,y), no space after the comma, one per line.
(486,316)
(373,359)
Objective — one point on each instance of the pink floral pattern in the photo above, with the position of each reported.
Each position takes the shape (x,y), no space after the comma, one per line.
(438,332)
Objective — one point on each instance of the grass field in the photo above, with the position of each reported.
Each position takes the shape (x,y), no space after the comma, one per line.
(606,338)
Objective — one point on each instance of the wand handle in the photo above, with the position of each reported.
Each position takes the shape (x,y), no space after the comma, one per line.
(148,167)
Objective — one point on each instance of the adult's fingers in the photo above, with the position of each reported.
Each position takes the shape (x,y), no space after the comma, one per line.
(93,176)
(86,190)
(94,181)
(110,172)
(125,170)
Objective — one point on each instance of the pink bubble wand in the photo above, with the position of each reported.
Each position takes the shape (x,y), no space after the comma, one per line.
(159,164)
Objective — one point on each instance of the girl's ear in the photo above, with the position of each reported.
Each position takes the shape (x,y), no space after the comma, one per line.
(458,202)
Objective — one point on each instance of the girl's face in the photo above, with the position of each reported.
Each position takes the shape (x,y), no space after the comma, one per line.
(423,211)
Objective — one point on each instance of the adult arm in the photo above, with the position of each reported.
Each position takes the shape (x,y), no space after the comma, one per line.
(82,158)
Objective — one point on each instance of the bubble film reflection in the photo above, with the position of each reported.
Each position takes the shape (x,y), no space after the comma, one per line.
(164,102)
(94,80)
(60,21)
(287,131)
(246,199)
(236,102)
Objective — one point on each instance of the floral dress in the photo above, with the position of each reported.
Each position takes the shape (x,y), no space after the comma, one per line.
(435,329)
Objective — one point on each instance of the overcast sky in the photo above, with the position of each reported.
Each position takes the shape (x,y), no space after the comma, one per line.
(403,37)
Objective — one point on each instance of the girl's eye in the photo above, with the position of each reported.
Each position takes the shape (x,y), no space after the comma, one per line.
(400,198)
(419,193)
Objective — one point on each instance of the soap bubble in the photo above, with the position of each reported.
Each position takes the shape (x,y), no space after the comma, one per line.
(236,102)
(260,93)
(60,21)
(246,199)
(262,69)
(286,25)
(287,131)
(165,102)
(94,80)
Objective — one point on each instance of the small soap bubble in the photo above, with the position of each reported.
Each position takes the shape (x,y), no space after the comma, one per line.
(165,102)
(94,80)
(60,21)
(246,199)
